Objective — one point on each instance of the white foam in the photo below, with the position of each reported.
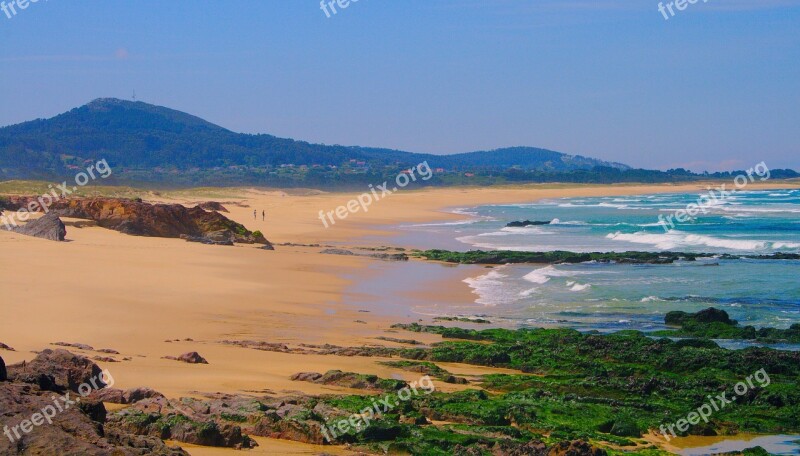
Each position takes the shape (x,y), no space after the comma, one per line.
(488,287)
(543,275)
(579,287)
(675,239)
(785,245)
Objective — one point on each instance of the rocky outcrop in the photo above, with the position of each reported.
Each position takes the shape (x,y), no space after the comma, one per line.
(57,370)
(138,218)
(189,421)
(48,227)
(3,372)
(212,206)
(190,358)
(131,396)
(350,380)
(79,427)
(524,223)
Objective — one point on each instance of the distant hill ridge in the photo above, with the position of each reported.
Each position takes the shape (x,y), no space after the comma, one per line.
(148,144)
(142,136)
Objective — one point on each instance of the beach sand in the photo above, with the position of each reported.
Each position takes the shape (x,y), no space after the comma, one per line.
(132,294)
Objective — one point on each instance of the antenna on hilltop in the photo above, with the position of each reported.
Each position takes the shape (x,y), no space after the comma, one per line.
(134,95)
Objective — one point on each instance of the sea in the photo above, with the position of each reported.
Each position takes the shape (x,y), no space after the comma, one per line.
(611,297)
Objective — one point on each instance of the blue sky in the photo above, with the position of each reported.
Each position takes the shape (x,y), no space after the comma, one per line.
(717,86)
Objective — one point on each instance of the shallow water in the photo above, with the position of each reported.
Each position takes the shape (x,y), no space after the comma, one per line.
(701,446)
(610,297)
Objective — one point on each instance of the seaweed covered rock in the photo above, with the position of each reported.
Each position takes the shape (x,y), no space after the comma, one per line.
(710,315)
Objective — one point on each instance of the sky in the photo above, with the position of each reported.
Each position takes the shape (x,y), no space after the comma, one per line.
(714,87)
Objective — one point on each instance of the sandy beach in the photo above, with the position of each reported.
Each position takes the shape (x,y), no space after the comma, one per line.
(136,294)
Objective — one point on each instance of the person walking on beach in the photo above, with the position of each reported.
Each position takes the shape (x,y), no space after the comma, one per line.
(263,215)
(255,214)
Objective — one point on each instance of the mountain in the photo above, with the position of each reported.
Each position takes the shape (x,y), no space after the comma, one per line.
(139,139)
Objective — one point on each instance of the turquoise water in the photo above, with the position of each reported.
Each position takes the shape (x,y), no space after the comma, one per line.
(613,297)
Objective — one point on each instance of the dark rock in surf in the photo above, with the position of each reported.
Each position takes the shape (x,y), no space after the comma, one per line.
(525,223)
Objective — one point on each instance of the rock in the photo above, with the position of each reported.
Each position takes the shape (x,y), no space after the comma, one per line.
(108,351)
(191,358)
(78,346)
(525,223)
(350,380)
(48,227)
(110,395)
(389,256)
(58,370)
(157,417)
(205,240)
(399,341)
(77,430)
(131,396)
(105,359)
(710,315)
(575,448)
(135,395)
(337,252)
(212,206)
(3,372)
(306,376)
(144,219)
(6,347)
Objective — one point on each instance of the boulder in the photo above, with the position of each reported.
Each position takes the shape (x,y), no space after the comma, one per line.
(3,372)
(48,227)
(524,223)
(135,395)
(58,370)
(212,206)
(191,358)
(306,377)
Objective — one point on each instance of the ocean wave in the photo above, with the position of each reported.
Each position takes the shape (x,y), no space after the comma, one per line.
(543,275)
(676,239)
(579,287)
(556,221)
(488,287)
